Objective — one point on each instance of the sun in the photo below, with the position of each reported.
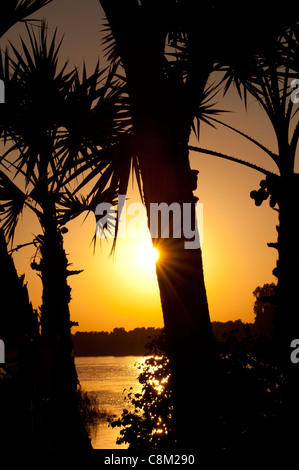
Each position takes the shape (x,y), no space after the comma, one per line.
(156,254)
(146,255)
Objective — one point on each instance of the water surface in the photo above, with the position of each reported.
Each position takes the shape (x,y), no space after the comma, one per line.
(110,378)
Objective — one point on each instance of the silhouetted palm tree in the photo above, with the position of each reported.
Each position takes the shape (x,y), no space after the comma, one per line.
(12,12)
(267,78)
(166,96)
(58,123)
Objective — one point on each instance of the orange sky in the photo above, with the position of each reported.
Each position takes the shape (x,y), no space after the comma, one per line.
(121,291)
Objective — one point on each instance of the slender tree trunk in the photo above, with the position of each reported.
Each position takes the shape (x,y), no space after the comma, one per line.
(160,118)
(64,428)
(182,290)
(286,317)
(55,315)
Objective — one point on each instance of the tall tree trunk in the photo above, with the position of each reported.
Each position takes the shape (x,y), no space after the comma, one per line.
(64,427)
(159,120)
(168,178)
(286,317)
(182,290)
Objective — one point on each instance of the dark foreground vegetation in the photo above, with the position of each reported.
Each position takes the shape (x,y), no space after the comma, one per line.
(249,387)
(225,392)
(249,395)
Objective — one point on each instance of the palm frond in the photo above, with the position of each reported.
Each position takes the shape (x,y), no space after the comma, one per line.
(273,155)
(295,138)
(230,158)
(206,109)
(111,47)
(13,11)
(35,95)
(95,116)
(12,201)
(70,206)
(290,49)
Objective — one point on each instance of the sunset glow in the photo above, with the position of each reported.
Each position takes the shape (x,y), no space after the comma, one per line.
(146,256)
(123,290)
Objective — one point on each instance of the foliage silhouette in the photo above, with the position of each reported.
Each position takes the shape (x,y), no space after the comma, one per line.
(169,96)
(248,408)
(267,79)
(169,92)
(118,342)
(264,309)
(44,121)
(15,11)
(90,410)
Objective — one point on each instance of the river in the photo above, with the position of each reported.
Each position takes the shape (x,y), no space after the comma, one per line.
(107,377)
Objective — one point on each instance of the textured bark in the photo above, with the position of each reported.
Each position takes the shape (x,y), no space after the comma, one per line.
(161,117)
(286,316)
(183,299)
(56,378)
(287,270)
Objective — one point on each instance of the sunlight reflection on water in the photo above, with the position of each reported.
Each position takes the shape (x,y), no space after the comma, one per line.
(107,377)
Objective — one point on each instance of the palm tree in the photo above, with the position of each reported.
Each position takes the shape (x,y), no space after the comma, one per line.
(267,78)
(13,12)
(163,105)
(58,124)
(166,98)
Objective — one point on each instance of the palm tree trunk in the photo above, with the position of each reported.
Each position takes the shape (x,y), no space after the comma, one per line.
(286,318)
(64,428)
(182,290)
(55,316)
(160,118)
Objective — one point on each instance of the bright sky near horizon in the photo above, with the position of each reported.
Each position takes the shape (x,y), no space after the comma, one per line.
(122,291)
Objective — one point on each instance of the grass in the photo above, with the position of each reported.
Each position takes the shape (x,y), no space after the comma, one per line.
(91,411)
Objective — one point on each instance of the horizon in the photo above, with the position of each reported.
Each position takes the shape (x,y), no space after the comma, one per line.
(151,327)
(149,232)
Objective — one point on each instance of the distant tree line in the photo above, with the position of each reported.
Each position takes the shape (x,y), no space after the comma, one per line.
(120,342)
